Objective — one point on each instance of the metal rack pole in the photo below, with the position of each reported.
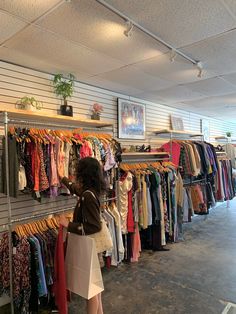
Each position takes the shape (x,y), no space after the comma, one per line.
(62,125)
(9,210)
(171,146)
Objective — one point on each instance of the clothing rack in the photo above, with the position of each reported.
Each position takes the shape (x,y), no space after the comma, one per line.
(178,135)
(33,118)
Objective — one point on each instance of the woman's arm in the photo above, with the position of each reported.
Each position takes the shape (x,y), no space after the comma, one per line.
(73,187)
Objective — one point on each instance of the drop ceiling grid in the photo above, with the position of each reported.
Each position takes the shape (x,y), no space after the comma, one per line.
(103,33)
(212,19)
(28,9)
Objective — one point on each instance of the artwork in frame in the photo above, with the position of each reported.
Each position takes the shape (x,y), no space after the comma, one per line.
(131,119)
(176,123)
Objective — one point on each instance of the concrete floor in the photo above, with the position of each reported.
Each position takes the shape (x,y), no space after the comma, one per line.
(197,276)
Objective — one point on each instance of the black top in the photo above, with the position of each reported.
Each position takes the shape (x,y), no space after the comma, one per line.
(87,210)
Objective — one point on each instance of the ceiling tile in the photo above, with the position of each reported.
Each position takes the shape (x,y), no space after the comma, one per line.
(133,77)
(94,26)
(115,87)
(217,54)
(9,25)
(28,9)
(49,48)
(178,94)
(180,71)
(213,103)
(179,22)
(30,61)
(212,87)
(231,4)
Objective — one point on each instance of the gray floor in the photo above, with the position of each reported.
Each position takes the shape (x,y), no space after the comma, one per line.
(197,276)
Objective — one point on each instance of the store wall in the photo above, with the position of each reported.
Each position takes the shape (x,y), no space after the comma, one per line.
(16,82)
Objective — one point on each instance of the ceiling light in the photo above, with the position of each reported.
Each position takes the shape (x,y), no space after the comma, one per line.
(173,55)
(128,31)
(199,66)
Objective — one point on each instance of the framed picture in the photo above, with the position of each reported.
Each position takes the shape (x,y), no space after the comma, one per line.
(205,129)
(131,120)
(176,123)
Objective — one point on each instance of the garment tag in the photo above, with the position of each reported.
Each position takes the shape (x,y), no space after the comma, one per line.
(37,194)
(14,250)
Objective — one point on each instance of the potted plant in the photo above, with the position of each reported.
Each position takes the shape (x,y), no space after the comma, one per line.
(64,87)
(29,103)
(96,111)
(228,134)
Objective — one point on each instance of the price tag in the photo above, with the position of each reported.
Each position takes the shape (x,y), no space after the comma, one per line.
(14,250)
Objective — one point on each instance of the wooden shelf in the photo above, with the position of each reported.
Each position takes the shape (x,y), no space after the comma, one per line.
(176,132)
(225,139)
(131,154)
(70,122)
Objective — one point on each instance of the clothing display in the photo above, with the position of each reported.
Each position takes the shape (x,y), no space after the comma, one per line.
(224,183)
(154,200)
(151,194)
(194,158)
(40,157)
(114,221)
(33,268)
(230,150)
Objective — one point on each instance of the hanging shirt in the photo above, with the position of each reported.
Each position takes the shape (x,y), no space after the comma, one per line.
(125,185)
(175,151)
(42,287)
(59,287)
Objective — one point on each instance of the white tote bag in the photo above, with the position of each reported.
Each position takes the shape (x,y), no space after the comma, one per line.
(83,272)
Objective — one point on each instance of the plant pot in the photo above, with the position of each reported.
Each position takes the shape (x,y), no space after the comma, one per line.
(27,107)
(66,110)
(95,116)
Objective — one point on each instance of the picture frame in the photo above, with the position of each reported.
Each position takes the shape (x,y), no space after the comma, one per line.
(131,119)
(176,123)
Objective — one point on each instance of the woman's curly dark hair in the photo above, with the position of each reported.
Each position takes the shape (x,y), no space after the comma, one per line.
(90,174)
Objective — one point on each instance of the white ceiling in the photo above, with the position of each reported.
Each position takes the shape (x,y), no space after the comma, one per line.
(85,38)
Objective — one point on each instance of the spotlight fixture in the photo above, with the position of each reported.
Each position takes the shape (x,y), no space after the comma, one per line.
(199,66)
(173,55)
(128,31)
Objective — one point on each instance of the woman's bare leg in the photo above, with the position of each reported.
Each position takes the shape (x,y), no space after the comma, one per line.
(93,305)
(100,308)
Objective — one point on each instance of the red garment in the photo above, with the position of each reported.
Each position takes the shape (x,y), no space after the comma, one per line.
(36,166)
(136,244)
(59,286)
(86,150)
(130,217)
(175,151)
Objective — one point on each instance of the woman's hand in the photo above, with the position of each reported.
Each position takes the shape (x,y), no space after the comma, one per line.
(63,221)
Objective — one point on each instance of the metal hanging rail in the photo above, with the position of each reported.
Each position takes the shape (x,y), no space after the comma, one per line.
(147,32)
(144,160)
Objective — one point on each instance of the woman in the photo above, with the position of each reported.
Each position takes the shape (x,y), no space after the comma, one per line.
(87,211)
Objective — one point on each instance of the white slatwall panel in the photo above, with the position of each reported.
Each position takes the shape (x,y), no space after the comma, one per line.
(16,82)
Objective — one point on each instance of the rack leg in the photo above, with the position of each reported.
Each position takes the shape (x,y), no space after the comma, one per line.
(228,203)
(9,210)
